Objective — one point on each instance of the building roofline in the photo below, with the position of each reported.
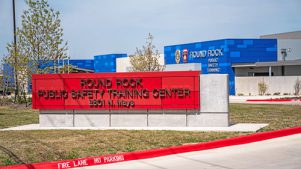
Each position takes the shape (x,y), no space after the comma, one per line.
(221,40)
(299,31)
(265,64)
(111,54)
(284,35)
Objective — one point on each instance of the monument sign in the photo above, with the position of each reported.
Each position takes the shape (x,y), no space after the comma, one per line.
(144,99)
(118,91)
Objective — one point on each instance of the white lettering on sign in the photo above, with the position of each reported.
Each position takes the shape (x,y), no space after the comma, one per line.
(213,60)
(206,53)
(198,54)
(215,52)
(97,160)
(63,165)
(213,70)
(80,163)
(212,64)
(110,159)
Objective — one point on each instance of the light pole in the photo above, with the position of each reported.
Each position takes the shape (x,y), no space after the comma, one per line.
(15,52)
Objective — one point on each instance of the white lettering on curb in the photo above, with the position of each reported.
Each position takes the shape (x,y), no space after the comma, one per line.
(80,163)
(110,159)
(97,160)
(63,165)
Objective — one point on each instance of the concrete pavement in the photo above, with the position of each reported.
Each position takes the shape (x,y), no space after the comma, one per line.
(279,153)
(240,127)
(243,99)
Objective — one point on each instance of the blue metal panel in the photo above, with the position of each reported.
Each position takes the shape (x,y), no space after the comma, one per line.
(257,50)
(106,63)
(85,64)
(235,54)
(9,78)
(8,75)
(233,51)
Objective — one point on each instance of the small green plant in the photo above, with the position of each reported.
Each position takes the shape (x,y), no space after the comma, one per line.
(276,94)
(129,148)
(262,88)
(297,87)
(240,94)
(111,150)
(72,155)
(8,161)
(5,101)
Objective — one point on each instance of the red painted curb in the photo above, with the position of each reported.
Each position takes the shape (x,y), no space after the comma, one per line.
(100,160)
(269,100)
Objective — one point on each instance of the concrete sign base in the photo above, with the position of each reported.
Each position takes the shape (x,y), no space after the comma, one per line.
(214,112)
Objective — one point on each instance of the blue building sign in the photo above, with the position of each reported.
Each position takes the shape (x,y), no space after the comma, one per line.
(218,56)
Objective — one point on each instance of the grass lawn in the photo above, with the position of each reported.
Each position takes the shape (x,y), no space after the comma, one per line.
(277,116)
(36,146)
(14,116)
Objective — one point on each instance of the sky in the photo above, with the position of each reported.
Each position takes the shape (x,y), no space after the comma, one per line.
(95,27)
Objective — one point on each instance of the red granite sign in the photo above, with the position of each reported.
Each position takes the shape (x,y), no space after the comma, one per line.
(105,91)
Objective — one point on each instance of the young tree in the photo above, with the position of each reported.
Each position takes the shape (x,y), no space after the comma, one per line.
(17,62)
(147,58)
(297,87)
(41,35)
(262,88)
(66,69)
(39,42)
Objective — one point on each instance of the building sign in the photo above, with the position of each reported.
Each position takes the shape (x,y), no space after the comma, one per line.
(213,65)
(178,56)
(206,53)
(185,55)
(148,90)
(212,56)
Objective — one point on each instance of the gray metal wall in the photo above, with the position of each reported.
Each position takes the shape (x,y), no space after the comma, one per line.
(293,44)
(276,70)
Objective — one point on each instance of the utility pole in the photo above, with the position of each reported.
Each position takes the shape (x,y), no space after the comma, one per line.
(15,53)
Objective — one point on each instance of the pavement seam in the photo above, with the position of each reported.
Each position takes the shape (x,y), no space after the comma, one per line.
(203,162)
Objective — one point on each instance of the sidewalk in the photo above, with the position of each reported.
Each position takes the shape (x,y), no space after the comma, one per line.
(264,100)
(273,149)
(240,127)
(279,153)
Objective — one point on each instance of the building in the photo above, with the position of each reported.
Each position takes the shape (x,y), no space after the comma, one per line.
(240,57)
(219,56)
(273,59)
(107,63)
